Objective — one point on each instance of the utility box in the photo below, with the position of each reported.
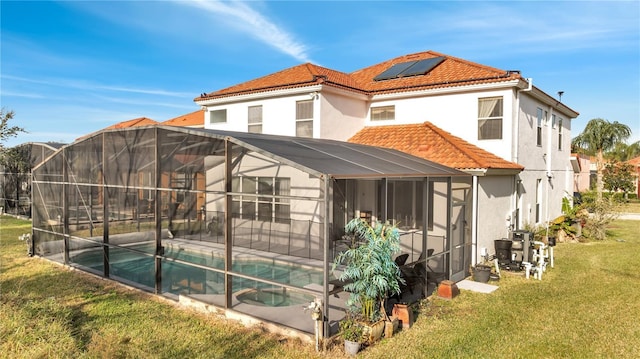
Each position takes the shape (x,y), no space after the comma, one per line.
(521,246)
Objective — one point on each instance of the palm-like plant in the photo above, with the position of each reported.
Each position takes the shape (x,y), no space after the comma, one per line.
(599,136)
(369,270)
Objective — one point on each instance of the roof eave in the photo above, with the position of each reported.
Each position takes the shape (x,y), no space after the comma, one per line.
(445,90)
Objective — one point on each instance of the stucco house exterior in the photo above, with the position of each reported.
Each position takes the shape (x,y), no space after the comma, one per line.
(499,111)
(582,172)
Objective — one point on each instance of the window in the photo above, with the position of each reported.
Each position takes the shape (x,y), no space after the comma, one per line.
(539,130)
(260,198)
(490,118)
(559,134)
(383,113)
(304,118)
(553,121)
(218,116)
(255,119)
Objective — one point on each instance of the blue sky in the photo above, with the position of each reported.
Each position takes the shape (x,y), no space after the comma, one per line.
(71,68)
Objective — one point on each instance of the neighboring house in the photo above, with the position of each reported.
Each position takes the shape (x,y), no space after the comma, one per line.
(496,110)
(194,119)
(581,165)
(635,162)
(136,122)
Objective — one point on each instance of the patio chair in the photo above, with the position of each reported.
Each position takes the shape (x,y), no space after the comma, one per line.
(401,259)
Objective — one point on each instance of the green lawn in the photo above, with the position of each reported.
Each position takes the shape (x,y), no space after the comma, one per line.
(588,306)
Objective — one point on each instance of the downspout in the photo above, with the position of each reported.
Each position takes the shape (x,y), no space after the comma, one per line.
(516,124)
(549,174)
(474,220)
(515,143)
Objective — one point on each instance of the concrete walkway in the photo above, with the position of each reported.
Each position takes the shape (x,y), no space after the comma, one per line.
(631,216)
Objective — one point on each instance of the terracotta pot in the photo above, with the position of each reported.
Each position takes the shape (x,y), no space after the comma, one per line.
(404,313)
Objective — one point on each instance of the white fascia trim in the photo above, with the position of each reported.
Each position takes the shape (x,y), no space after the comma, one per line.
(447,90)
(261,95)
(555,104)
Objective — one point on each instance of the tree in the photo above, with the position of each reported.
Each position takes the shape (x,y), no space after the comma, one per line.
(5,130)
(618,176)
(623,152)
(599,136)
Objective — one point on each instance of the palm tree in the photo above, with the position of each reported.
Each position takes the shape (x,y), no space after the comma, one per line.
(623,152)
(599,136)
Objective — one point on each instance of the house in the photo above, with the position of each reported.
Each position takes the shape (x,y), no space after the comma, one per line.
(490,174)
(499,111)
(193,119)
(581,165)
(635,163)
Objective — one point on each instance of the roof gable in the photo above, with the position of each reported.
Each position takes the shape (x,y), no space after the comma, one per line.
(297,76)
(140,121)
(427,141)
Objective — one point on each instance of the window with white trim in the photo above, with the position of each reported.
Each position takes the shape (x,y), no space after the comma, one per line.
(383,113)
(261,198)
(218,116)
(254,117)
(304,118)
(490,118)
(559,134)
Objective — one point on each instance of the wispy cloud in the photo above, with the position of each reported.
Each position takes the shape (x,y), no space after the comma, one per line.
(255,24)
(90,86)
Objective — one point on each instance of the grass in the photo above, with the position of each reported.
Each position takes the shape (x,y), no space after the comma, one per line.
(586,307)
(631,207)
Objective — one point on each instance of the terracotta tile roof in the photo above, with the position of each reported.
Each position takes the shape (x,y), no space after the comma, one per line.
(634,161)
(427,141)
(297,76)
(140,121)
(193,119)
(452,71)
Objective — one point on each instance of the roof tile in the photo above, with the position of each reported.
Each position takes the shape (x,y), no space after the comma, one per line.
(452,71)
(193,119)
(427,141)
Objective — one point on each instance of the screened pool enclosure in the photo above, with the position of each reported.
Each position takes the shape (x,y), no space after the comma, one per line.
(248,223)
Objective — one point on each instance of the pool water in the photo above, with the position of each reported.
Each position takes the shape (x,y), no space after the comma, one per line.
(179,278)
(274,297)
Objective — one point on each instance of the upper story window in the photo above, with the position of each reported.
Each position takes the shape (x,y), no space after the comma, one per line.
(559,134)
(218,116)
(304,118)
(255,119)
(553,121)
(490,118)
(539,128)
(383,113)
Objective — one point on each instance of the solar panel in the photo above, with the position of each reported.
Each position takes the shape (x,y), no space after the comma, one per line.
(422,67)
(394,71)
(411,68)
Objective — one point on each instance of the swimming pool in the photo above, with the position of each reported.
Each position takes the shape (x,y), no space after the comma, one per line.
(181,278)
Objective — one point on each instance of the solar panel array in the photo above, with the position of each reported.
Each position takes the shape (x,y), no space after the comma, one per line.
(410,68)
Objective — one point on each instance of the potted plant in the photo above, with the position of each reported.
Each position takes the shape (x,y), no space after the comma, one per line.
(370,272)
(351,331)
